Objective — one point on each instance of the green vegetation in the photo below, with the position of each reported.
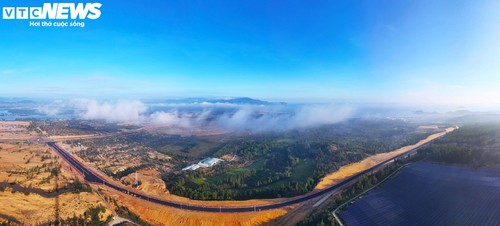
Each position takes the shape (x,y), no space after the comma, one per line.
(126,213)
(124,172)
(89,217)
(122,210)
(324,215)
(75,127)
(263,165)
(181,148)
(78,187)
(51,166)
(475,145)
(177,146)
(292,163)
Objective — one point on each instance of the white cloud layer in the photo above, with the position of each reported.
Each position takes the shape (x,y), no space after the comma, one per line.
(120,111)
(176,119)
(256,119)
(234,117)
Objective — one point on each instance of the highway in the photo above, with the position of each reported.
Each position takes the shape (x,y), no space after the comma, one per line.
(95,178)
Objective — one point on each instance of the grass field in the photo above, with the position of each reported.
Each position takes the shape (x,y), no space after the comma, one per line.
(300,173)
(221,177)
(194,149)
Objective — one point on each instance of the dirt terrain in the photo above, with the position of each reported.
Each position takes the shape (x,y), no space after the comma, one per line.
(34,186)
(161,215)
(152,187)
(34,208)
(155,213)
(17,130)
(353,168)
(28,190)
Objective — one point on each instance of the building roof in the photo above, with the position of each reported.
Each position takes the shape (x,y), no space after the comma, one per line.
(210,161)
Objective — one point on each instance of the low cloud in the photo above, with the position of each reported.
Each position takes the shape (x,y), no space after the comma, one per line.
(53,108)
(229,117)
(119,111)
(280,119)
(315,115)
(177,119)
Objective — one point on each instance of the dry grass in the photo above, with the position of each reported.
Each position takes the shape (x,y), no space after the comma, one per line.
(15,130)
(33,208)
(18,160)
(39,205)
(158,214)
(75,137)
(161,215)
(82,137)
(151,183)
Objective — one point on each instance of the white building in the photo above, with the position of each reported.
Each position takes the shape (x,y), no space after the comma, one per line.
(209,162)
(191,167)
(205,163)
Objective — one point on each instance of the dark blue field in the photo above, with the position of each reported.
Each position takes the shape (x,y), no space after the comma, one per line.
(431,194)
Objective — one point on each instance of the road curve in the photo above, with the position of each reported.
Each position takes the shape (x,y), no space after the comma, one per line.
(93,177)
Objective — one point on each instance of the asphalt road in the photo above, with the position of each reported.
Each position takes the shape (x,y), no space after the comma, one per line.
(93,177)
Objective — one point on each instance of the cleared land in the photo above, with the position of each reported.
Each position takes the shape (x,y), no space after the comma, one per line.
(351,169)
(152,185)
(161,215)
(29,176)
(194,219)
(35,185)
(15,130)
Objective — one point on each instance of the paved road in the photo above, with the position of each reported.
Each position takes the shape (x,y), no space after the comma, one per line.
(93,177)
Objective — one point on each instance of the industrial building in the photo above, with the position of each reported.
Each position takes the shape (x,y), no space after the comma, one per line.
(205,163)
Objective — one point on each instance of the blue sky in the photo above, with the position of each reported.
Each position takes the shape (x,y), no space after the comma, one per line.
(387,51)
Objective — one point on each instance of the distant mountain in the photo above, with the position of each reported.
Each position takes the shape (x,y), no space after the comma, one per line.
(240,100)
(16,101)
(237,100)
(477,117)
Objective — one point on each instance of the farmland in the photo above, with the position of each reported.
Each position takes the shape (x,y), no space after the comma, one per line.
(431,194)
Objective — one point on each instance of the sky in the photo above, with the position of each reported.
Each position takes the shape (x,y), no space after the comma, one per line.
(387,51)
